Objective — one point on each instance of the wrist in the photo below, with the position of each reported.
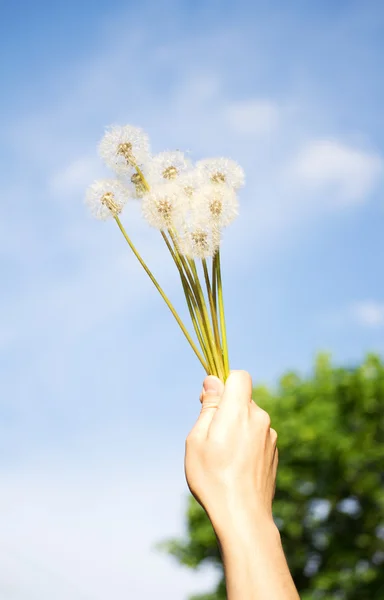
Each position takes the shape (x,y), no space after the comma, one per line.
(253,557)
(233,519)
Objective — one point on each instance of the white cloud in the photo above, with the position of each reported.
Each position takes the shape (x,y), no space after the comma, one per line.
(252,117)
(350,173)
(368,313)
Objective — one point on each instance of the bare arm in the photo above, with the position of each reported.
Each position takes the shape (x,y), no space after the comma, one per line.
(230,465)
(254,563)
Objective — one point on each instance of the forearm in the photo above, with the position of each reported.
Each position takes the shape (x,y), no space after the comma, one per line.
(254,563)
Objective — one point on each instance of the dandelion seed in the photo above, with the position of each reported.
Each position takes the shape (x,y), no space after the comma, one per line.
(106,198)
(162,207)
(122,148)
(168,166)
(222,170)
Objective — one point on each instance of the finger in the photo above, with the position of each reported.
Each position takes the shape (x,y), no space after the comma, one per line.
(210,398)
(237,395)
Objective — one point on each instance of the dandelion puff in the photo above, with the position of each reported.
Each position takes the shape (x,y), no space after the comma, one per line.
(218,203)
(199,242)
(124,147)
(167,166)
(162,207)
(106,198)
(199,237)
(222,170)
(187,189)
(190,182)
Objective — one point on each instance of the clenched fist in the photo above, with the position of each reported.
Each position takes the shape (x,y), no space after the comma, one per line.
(230,455)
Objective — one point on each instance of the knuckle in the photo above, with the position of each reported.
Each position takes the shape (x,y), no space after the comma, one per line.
(191,439)
(273,434)
(261,416)
(265,419)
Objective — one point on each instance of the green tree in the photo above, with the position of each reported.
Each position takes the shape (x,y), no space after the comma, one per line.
(329,502)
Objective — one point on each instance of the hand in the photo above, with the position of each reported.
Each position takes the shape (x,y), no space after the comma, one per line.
(231,456)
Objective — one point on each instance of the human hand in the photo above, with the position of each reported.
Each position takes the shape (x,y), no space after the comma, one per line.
(230,454)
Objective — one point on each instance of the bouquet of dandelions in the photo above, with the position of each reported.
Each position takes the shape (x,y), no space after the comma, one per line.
(190,205)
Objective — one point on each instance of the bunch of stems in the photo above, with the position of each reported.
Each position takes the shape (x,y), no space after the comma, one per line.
(206,309)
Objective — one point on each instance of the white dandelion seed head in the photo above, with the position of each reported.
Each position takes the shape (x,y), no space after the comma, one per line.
(162,207)
(199,241)
(222,170)
(167,166)
(123,147)
(190,183)
(214,206)
(192,208)
(217,204)
(106,198)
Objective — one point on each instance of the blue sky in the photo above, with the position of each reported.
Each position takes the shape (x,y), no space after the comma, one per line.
(98,388)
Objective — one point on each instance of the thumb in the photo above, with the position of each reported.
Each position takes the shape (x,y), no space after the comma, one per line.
(210,397)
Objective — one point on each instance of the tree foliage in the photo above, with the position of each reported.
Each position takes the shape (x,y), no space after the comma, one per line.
(329,502)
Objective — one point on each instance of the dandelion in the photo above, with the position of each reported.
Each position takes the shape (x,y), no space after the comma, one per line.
(106,198)
(219,203)
(222,170)
(200,242)
(162,206)
(123,148)
(190,183)
(188,186)
(167,166)
(190,205)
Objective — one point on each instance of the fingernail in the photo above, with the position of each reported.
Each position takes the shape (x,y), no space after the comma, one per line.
(212,386)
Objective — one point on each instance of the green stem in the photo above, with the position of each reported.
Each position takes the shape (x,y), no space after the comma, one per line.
(183,262)
(212,306)
(191,302)
(159,289)
(201,313)
(178,258)
(196,326)
(145,182)
(196,296)
(222,317)
(218,364)
(214,283)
